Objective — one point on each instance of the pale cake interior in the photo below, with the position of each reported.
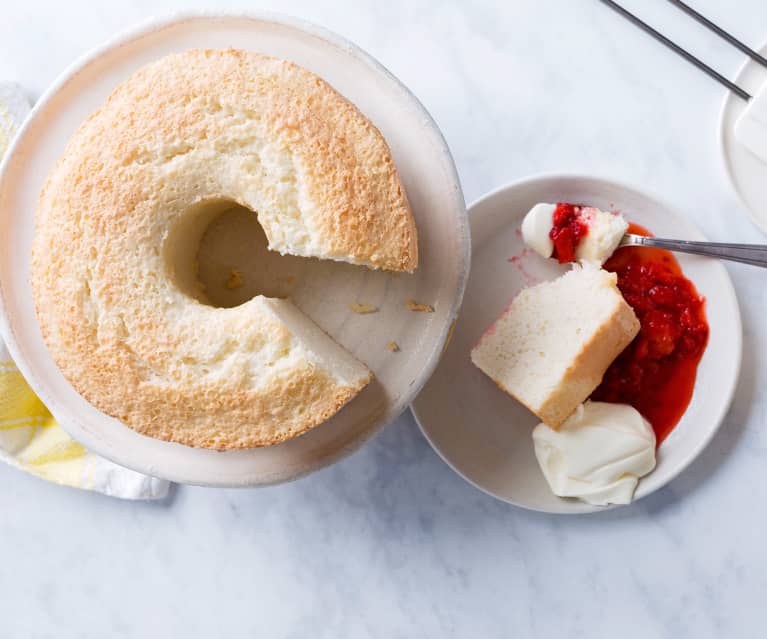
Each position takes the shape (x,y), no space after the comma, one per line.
(552,346)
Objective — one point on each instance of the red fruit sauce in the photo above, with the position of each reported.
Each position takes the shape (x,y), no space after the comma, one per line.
(656,372)
(568,227)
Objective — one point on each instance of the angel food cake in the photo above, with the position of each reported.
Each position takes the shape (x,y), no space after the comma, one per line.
(126,205)
(552,346)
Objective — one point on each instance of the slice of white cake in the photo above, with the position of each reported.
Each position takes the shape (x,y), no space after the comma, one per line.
(552,346)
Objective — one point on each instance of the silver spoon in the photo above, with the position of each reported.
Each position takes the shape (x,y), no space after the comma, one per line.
(754,254)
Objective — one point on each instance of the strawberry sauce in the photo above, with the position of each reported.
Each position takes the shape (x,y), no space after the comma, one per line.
(656,373)
(568,227)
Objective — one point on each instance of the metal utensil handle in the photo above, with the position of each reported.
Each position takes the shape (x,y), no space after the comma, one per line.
(754,254)
(728,37)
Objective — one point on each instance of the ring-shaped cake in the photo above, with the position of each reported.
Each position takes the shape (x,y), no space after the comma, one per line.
(122,213)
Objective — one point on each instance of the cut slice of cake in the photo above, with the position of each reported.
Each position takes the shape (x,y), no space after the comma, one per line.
(553,344)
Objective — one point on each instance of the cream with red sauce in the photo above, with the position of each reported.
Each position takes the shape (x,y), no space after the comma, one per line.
(572,232)
(568,227)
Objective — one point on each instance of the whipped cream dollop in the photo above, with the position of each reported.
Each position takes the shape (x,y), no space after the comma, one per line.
(598,455)
(751,125)
(536,228)
(605,231)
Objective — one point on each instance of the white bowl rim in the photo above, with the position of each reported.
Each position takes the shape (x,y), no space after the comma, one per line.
(730,99)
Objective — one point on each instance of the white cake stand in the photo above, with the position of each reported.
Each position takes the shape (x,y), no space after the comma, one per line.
(324,292)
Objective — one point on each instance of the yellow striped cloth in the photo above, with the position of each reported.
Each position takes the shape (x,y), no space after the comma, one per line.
(30,438)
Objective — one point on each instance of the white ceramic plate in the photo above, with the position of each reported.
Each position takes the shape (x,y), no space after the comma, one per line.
(482,432)
(747,173)
(323,291)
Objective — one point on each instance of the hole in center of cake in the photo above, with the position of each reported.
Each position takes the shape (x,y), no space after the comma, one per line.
(219,256)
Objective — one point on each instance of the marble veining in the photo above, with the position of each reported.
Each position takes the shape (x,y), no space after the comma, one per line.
(389,542)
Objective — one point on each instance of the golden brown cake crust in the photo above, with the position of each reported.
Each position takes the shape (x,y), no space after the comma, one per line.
(230,124)
(587,370)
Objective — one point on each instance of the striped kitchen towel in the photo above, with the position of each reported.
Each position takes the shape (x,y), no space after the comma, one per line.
(30,438)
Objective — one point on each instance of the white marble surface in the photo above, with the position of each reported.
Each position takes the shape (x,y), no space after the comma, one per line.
(390,543)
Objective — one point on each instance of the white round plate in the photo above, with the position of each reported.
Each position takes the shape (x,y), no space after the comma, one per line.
(483,433)
(747,173)
(322,291)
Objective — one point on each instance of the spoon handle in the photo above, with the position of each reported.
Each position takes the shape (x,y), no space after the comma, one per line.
(754,254)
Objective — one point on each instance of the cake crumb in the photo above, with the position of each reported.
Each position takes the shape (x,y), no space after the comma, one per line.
(412,305)
(363,309)
(393,346)
(235,279)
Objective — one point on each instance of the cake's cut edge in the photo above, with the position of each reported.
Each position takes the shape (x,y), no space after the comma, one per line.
(525,338)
